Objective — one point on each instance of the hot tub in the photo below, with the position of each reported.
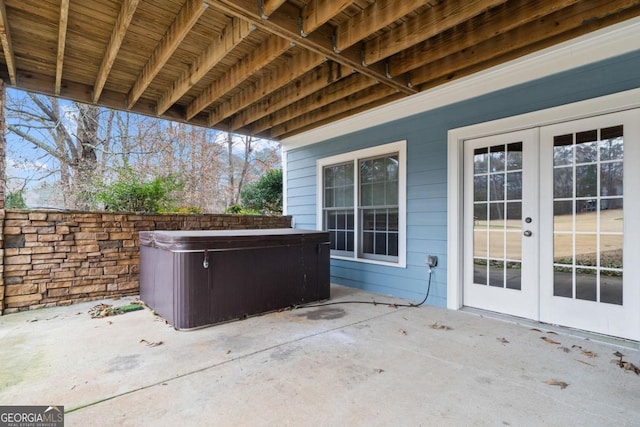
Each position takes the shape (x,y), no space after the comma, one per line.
(199,278)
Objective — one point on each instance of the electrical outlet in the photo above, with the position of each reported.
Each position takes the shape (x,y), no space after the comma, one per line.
(432,260)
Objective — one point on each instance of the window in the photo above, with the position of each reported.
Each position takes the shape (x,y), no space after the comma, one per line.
(362,204)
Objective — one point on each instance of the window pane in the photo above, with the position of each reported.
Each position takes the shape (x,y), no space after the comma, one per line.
(514,156)
(393,219)
(368,220)
(611,219)
(563,150)
(586,181)
(381,244)
(379,198)
(562,182)
(496,186)
(367,242)
(480,160)
(480,188)
(563,282)
(393,244)
(611,146)
(514,185)
(496,158)
(563,216)
(586,284)
(611,179)
(611,287)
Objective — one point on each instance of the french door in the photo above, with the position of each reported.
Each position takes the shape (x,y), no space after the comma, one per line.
(550,224)
(589,251)
(501,223)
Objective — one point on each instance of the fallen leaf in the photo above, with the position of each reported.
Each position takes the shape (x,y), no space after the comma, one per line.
(576,346)
(403,332)
(228,351)
(627,366)
(503,340)
(549,340)
(535,330)
(437,325)
(583,362)
(151,343)
(393,305)
(618,354)
(565,349)
(561,384)
(552,333)
(588,353)
(109,322)
(378,370)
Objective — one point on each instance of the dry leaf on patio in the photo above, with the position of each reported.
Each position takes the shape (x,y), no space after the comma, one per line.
(535,330)
(378,370)
(549,340)
(618,354)
(565,349)
(151,343)
(627,366)
(403,332)
(584,363)
(588,353)
(561,384)
(503,340)
(438,325)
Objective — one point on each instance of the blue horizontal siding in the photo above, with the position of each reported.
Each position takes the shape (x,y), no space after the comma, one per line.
(426,135)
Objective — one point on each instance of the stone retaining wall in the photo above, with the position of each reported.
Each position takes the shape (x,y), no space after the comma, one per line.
(55,258)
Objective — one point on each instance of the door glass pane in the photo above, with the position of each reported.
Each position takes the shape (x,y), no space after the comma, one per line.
(496,273)
(514,275)
(563,216)
(514,156)
(588,218)
(586,284)
(563,282)
(497,224)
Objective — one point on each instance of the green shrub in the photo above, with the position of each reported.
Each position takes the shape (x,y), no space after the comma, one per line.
(130,194)
(264,195)
(15,200)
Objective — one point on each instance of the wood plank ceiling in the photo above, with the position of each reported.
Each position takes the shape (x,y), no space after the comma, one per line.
(273,68)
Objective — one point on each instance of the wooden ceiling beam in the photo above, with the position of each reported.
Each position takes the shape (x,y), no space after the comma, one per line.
(321,122)
(284,22)
(189,14)
(267,7)
(349,103)
(297,66)
(492,51)
(111,52)
(375,17)
(317,12)
(62,41)
(311,82)
(474,31)
(335,92)
(272,48)
(7,45)
(433,21)
(235,31)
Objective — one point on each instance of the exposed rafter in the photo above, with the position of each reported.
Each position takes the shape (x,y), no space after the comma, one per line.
(433,21)
(273,47)
(308,63)
(313,81)
(62,40)
(561,22)
(284,23)
(317,12)
(299,64)
(375,17)
(235,31)
(117,35)
(185,20)
(267,7)
(474,31)
(7,45)
(333,93)
(345,104)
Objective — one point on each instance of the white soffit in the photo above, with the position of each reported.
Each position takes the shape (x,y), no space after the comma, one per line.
(593,47)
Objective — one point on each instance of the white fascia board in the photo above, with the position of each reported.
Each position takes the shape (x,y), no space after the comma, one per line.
(593,47)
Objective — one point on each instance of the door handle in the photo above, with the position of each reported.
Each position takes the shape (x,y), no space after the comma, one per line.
(527,233)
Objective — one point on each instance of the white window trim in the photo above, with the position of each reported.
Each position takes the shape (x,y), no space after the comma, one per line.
(399,147)
(455,183)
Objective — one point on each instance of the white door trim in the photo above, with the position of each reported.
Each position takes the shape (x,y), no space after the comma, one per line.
(455,183)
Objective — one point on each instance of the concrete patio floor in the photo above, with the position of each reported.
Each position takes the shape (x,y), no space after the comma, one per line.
(350,364)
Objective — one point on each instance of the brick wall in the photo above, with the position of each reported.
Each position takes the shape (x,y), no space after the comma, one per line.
(55,258)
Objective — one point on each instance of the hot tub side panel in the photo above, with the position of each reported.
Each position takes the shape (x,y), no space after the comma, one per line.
(156,275)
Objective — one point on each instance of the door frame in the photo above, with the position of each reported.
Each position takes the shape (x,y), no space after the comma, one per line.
(622,101)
